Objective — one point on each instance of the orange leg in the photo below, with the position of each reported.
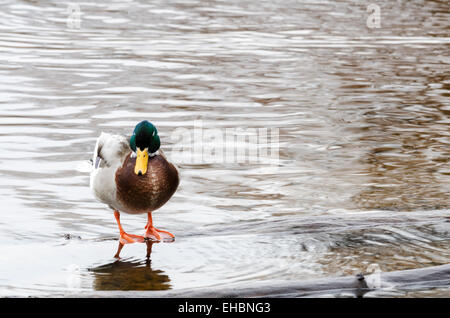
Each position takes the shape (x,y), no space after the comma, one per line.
(126,238)
(154,234)
(119,248)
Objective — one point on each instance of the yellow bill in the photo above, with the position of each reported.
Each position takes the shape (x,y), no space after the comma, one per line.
(141,161)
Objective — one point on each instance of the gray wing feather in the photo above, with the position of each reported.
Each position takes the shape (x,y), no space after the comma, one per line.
(110,149)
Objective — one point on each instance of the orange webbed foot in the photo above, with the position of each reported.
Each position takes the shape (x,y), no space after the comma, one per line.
(126,238)
(154,234)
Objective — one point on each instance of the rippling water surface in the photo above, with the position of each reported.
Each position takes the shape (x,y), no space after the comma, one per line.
(364,142)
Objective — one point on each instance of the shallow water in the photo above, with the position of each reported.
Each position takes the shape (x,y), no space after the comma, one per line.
(363,122)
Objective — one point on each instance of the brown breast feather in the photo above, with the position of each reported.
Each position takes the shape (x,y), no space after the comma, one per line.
(140,194)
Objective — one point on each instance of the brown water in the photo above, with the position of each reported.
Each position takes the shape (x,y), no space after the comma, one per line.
(363,119)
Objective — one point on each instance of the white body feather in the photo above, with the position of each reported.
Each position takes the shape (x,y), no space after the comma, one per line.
(109,154)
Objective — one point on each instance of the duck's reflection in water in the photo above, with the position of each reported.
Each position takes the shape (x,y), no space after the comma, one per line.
(130,275)
(149,249)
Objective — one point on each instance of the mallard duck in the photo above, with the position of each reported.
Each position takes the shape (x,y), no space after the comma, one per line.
(132,175)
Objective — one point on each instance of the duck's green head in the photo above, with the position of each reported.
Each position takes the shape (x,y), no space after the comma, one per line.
(144,141)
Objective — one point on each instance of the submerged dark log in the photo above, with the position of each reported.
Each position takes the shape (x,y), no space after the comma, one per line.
(407,280)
